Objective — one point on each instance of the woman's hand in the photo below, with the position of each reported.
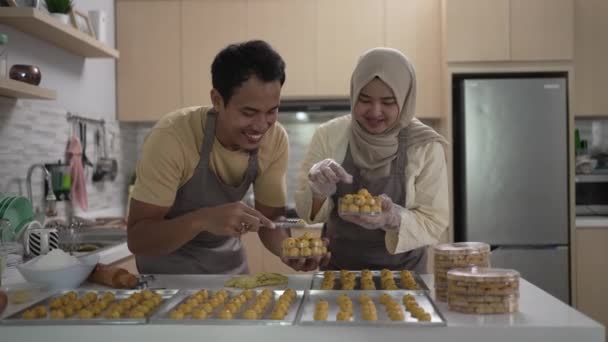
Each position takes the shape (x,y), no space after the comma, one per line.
(389,219)
(324,175)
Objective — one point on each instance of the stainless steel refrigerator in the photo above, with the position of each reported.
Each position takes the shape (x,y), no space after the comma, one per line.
(511,172)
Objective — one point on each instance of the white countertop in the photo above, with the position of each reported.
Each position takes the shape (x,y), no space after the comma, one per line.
(541,318)
(592,222)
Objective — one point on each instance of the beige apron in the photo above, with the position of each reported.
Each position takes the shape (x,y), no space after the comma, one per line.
(353,247)
(206,253)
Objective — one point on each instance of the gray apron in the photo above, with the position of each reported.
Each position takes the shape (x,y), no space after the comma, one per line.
(354,247)
(206,253)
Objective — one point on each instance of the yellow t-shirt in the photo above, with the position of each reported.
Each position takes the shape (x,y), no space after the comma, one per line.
(171,152)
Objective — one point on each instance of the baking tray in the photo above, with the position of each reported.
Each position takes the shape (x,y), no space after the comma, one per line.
(317,279)
(306,315)
(162,315)
(16,318)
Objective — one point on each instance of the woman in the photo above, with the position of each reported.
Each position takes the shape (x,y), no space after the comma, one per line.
(383,148)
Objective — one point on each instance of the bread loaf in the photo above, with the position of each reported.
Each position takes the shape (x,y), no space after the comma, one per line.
(115,277)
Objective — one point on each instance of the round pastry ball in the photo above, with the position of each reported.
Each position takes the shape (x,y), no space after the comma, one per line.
(224,314)
(176,314)
(293,252)
(353,208)
(343,316)
(199,314)
(363,192)
(57,314)
(289,243)
(112,314)
(347,199)
(250,314)
(306,252)
(303,244)
(320,315)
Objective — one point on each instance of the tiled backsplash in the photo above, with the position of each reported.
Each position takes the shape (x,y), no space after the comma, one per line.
(31,133)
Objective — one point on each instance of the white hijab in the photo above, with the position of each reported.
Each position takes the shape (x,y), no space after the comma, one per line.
(373,153)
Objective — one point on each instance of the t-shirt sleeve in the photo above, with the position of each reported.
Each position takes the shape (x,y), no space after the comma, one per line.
(270,186)
(159,170)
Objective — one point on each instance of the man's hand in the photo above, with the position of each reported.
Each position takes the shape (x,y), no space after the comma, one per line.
(233,219)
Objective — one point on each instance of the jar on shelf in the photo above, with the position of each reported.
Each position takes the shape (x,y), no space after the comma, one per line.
(3,55)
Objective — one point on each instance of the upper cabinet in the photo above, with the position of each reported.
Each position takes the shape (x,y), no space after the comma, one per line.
(414,28)
(542,29)
(346,28)
(509,30)
(477,30)
(290,27)
(591,54)
(168,66)
(207,26)
(149,70)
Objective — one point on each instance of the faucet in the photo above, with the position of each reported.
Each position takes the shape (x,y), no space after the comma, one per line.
(49,202)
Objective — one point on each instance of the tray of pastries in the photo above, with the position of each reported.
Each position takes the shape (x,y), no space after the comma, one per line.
(232,307)
(367,280)
(92,307)
(400,307)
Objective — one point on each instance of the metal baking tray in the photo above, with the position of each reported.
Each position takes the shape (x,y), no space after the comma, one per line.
(16,318)
(317,279)
(162,316)
(306,315)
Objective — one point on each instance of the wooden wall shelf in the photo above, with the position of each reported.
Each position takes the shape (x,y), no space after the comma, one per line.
(47,28)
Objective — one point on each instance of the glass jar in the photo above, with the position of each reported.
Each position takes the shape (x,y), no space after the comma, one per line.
(3,55)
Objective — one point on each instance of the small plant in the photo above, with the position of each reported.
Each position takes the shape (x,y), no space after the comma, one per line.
(59,6)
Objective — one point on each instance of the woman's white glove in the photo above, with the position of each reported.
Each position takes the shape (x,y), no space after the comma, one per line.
(389,219)
(324,175)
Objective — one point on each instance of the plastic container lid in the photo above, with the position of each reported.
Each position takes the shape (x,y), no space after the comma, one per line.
(482,274)
(462,248)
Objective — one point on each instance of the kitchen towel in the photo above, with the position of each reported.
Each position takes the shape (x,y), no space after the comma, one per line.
(74,157)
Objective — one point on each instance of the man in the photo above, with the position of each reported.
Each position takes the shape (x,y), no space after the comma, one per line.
(186,214)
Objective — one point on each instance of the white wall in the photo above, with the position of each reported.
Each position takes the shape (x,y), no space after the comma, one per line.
(33,131)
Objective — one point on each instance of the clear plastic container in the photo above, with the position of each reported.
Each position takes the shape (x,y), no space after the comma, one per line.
(305,246)
(11,255)
(457,255)
(360,204)
(483,305)
(23,292)
(480,281)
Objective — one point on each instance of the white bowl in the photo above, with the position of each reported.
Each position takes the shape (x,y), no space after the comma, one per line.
(60,278)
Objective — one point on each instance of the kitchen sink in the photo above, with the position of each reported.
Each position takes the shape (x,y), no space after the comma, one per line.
(91,238)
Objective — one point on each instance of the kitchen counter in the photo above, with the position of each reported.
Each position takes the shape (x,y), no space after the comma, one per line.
(541,318)
(592,222)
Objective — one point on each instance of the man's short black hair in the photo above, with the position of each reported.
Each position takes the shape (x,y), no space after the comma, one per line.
(236,63)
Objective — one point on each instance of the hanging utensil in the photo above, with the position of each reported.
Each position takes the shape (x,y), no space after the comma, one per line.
(106,167)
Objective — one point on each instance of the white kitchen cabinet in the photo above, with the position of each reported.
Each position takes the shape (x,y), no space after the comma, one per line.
(414,28)
(148,71)
(346,29)
(207,26)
